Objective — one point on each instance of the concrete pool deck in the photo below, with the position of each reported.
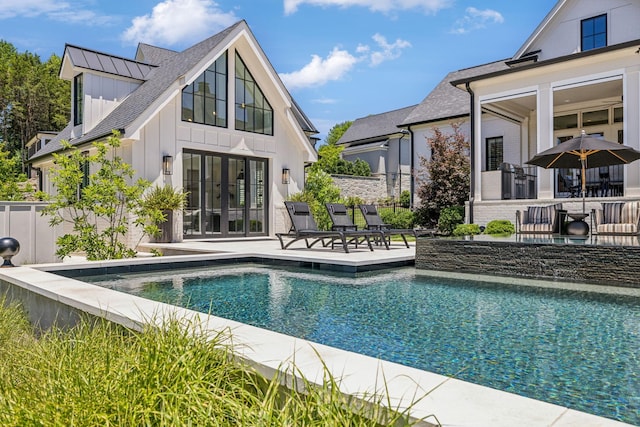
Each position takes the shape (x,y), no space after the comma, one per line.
(453,402)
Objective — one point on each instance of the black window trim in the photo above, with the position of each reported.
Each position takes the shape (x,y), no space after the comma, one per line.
(606,31)
(488,143)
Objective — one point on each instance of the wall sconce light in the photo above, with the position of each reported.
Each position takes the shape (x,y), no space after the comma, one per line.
(285,175)
(167,165)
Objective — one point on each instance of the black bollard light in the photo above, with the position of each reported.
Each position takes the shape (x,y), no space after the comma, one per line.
(8,248)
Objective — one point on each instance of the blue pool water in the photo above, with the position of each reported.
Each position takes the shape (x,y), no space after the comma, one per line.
(571,348)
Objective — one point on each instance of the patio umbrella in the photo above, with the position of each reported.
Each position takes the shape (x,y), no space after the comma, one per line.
(585,152)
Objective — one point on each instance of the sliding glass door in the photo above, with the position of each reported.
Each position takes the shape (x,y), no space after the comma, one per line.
(227,195)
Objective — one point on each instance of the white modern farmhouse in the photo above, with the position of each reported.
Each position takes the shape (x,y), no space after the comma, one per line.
(214,119)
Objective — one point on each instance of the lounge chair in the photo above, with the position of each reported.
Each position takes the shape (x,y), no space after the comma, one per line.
(541,219)
(374,222)
(619,218)
(341,221)
(304,227)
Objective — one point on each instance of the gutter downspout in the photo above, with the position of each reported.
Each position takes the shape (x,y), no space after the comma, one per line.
(472,120)
(412,168)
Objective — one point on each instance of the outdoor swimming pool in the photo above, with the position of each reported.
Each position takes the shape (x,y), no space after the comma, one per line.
(568,347)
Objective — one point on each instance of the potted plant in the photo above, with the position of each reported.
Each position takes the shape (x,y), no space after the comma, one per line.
(166,200)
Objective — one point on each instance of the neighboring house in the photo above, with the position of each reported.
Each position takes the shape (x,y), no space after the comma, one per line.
(214,119)
(580,69)
(377,140)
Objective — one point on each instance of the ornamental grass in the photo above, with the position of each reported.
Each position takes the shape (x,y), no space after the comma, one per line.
(102,374)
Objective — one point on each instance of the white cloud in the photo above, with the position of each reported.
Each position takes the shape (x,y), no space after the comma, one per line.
(30,8)
(174,22)
(427,6)
(51,9)
(320,71)
(389,50)
(475,19)
(340,62)
(327,101)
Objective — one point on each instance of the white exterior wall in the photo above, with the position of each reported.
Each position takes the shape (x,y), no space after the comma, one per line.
(103,93)
(166,134)
(563,36)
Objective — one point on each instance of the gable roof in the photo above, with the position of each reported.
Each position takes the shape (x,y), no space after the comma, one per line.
(105,63)
(158,80)
(153,54)
(446,101)
(539,29)
(375,126)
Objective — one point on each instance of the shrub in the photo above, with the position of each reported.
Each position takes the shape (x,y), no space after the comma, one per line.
(405,199)
(500,226)
(426,216)
(449,218)
(165,198)
(399,219)
(466,230)
(97,205)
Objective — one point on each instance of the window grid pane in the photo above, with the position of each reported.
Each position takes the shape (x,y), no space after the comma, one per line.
(205,100)
(494,153)
(253,111)
(594,32)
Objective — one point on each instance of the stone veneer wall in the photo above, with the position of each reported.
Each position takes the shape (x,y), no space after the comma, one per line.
(370,188)
(605,265)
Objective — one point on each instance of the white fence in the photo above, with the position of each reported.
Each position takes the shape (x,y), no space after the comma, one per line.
(24,222)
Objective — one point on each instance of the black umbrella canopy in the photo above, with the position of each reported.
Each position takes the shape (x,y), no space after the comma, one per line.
(595,152)
(585,152)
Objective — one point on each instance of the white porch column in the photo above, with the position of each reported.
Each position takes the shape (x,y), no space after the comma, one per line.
(631,91)
(545,139)
(478,150)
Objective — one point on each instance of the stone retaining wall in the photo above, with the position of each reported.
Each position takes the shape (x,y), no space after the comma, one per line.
(584,263)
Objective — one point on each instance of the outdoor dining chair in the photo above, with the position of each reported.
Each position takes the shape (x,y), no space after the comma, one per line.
(304,227)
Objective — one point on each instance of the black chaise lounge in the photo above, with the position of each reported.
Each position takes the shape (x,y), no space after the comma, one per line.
(342,222)
(304,227)
(374,222)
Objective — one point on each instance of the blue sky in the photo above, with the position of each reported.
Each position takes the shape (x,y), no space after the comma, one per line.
(340,59)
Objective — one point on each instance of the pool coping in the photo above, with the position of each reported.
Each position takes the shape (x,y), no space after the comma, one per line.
(452,401)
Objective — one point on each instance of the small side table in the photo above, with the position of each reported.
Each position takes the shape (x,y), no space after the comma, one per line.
(578,226)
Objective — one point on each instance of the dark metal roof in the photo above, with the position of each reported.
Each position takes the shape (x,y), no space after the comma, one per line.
(97,61)
(446,101)
(375,126)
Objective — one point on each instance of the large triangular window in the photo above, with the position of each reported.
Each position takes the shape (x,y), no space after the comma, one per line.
(205,100)
(253,111)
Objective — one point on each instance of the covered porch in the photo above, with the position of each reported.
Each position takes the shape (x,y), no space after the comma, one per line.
(524,110)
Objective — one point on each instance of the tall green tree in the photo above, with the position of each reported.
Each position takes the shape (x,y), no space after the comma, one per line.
(12,181)
(336,132)
(330,156)
(32,96)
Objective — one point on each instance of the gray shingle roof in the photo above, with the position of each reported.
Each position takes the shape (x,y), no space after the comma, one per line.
(447,101)
(158,80)
(375,126)
(97,61)
(153,55)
